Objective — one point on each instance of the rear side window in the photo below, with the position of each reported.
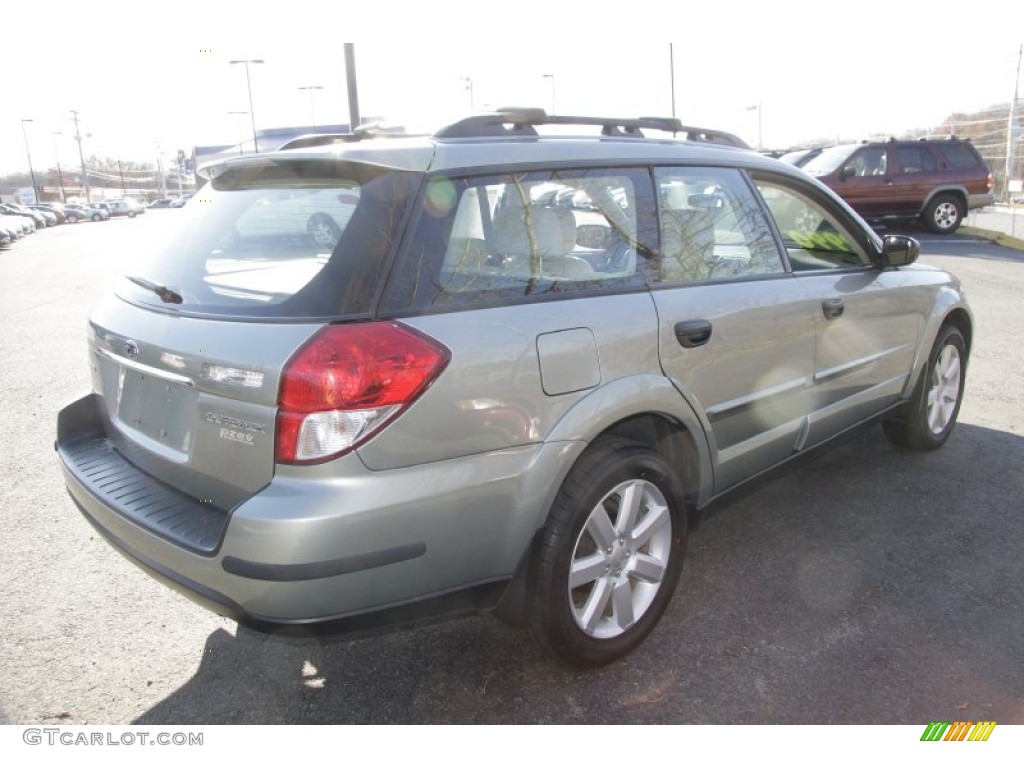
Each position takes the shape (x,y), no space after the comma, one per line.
(712,227)
(508,237)
(957,155)
(279,238)
(916,159)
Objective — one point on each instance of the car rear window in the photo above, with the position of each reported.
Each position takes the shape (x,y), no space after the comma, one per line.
(295,238)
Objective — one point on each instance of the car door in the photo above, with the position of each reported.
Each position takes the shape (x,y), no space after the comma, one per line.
(864,180)
(736,333)
(868,322)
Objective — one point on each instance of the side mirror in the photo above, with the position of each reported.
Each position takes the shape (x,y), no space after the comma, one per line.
(847,172)
(899,250)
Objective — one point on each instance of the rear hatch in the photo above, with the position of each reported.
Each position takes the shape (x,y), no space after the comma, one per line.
(187,355)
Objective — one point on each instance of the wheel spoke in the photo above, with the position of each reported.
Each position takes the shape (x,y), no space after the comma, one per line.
(657,518)
(648,568)
(595,606)
(600,528)
(622,604)
(587,569)
(630,500)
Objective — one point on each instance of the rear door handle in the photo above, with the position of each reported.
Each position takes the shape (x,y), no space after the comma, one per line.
(693,333)
(832,308)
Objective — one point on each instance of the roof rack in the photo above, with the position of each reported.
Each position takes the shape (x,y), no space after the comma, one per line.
(520,121)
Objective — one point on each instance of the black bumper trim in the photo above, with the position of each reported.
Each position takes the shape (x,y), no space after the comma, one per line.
(325,568)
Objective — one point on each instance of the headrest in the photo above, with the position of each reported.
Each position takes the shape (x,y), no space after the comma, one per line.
(534,230)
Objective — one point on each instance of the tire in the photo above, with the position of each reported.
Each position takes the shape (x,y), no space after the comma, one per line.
(944,214)
(97,217)
(603,572)
(324,230)
(72,219)
(930,416)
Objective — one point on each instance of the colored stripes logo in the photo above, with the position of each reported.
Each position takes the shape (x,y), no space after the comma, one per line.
(961,730)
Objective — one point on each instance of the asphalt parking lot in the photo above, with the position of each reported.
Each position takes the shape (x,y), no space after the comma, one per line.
(869,586)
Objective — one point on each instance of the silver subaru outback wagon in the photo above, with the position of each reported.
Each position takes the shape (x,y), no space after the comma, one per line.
(492,369)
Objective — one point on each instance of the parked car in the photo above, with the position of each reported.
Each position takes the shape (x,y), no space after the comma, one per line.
(56,211)
(78,213)
(20,210)
(379,379)
(29,221)
(179,202)
(163,202)
(800,157)
(935,181)
(128,208)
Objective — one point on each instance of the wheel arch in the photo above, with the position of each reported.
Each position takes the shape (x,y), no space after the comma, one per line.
(957,191)
(657,416)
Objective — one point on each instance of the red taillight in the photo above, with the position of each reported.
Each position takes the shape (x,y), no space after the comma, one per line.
(347,383)
(991,182)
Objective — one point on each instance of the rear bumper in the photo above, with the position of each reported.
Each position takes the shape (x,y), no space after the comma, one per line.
(326,544)
(980,201)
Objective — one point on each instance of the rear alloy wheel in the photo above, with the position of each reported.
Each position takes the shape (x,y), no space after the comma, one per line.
(610,556)
(931,413)
(96,217)
(944,214)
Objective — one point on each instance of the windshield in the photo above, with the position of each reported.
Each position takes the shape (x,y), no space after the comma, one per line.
(829,159)
(279,238)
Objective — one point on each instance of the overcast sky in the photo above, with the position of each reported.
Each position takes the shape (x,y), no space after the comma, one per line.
(149,77)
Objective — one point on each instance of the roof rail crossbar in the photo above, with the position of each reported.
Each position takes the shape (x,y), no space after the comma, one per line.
(516,121)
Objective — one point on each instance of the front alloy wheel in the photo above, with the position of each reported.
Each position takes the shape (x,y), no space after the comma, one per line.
(927,420)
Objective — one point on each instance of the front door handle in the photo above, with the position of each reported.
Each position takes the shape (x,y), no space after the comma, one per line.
(832,308)
(693,333)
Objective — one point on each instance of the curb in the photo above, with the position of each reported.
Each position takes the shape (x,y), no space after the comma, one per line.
(1000,238)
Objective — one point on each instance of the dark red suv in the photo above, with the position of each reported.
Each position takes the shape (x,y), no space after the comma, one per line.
(938,181)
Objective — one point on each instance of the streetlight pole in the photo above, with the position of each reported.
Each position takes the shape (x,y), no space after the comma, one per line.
(312,111)
(35,192)
(241,151)
(60,175)
(469,87)
(248,84)
(552,78)
(1010,125)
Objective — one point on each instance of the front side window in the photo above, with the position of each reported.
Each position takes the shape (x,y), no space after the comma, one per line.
(506,237)
(712,227)
(813,235)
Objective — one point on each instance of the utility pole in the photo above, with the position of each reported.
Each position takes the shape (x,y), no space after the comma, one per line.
(350,82)
(1010,125)
(81,157)
(31,170)
(60,175)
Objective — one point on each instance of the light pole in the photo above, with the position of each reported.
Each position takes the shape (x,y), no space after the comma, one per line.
(240,150)
(35,193)
(552,78)
(248,84)
(60,174)
(469,87)
(312,111)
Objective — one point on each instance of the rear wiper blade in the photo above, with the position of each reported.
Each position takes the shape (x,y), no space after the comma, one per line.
(167,295)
